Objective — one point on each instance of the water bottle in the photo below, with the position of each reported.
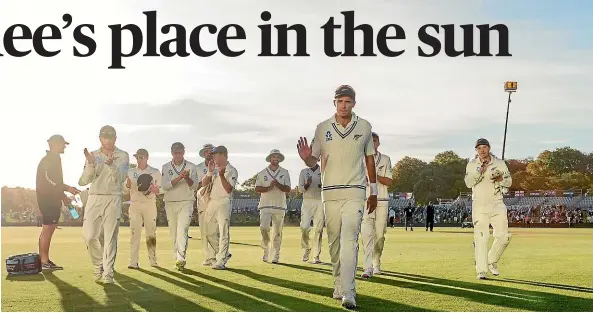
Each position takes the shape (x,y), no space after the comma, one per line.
(74,204)
(73,211)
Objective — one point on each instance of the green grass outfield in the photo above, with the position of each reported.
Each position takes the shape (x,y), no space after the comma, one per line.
(542,270)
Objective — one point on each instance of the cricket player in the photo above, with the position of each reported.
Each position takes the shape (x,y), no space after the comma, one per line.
(202,171)
(374,225)
(106,170)
(179,183)
(344,145)
(143,208)
(489,179)
(216,195)
(50,189)
(311,211)
(272,183)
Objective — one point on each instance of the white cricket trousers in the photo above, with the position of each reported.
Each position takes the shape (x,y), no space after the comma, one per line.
(143,213)
(484,215)
(276,218)
(179,217)
(217,220)
(100,229)
(207,250)
(312,211)
(374,227)
(343,222)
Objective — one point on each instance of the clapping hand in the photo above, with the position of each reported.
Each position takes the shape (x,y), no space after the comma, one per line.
(154,189)
(89,156)
(211,166)
(110,159)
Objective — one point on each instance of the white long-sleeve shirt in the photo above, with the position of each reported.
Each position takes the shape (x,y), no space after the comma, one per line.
(314,190)
(384,169)
(181,191)
(484,189)
(218,192)
(106,179)
(133,174)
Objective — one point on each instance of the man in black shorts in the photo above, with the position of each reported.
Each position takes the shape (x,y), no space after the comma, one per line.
(50,196)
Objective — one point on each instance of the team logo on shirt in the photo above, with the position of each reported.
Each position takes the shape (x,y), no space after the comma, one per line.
(136,175)
(170,172)
(328,136)
(357,136)
(265,178)
(281,176)
(381,167)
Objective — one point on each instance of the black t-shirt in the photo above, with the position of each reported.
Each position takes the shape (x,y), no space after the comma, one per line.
(430,211)
(50,180)
(409,211)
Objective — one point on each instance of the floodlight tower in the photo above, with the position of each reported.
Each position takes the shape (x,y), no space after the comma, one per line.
(509,87)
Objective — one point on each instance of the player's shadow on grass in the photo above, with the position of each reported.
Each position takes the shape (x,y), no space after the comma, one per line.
(548,285)
(364,302)
(286,303)
(149,297)
(480,293)
(72,298)
(239,301)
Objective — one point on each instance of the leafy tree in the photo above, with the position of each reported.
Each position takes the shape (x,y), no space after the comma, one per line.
(406,173)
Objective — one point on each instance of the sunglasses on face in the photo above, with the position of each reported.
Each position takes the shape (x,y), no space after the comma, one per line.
(140,157)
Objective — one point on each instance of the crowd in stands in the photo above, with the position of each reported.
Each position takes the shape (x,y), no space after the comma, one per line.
(245,212)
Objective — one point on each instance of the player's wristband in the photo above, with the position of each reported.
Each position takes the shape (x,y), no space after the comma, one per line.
(374,190)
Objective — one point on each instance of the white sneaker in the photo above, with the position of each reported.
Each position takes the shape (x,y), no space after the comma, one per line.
(219,266)
(98,277)
(349,302)
(482,276)
(316,261)
(368,273)
(134,266)
(337,293)
(377,270)
(306,255)
(208,262)
(154,264)
(227,258)
(108,280)
(493,267)
(265,257)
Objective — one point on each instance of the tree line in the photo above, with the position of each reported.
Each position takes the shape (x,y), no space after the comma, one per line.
(564,168)
(561,169)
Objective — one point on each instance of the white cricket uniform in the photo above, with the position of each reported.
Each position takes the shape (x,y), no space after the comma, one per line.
(272,208)
(179,204)
(342,151)
(103,208)
(207,250)
(143,210)
(217,216)
(488,209)
(374,225)
(311,210)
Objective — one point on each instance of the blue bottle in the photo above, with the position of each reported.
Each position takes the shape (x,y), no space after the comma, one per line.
(73,211)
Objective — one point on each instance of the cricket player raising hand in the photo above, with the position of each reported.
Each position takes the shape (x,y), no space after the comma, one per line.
(106,169)
(344,144)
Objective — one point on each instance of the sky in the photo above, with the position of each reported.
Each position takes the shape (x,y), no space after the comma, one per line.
(252,104)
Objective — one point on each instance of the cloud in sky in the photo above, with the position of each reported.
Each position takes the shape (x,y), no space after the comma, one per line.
(253,104)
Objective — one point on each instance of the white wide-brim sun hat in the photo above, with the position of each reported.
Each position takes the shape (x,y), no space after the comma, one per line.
(275,151)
